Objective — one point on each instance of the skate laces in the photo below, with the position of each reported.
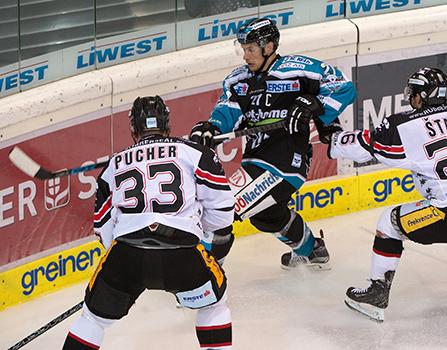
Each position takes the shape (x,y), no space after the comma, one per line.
(298,258)
(362,290)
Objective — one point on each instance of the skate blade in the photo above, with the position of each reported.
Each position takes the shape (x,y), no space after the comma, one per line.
(372,312)
(310,266)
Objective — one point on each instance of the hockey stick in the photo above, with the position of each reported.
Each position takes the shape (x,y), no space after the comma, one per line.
(24,162)
(48,326)
(235,134)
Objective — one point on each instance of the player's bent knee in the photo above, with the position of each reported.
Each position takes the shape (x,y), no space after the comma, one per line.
(100,321)
(386,226)
(107,302)
(272,219)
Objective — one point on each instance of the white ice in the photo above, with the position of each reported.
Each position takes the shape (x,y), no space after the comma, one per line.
(276,309)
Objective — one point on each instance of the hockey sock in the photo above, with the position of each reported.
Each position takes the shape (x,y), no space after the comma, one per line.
(87,332)
(73,342)
(307,244)
(213,326)
(385,257)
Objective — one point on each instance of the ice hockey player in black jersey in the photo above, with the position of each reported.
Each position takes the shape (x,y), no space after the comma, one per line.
(153,202)
(417,141)
(270,88)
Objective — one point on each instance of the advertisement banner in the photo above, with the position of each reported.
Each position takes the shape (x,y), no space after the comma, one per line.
(386,187)
(315,200)
(223,26)
(38,215)
(82,58)
(361,8)
(380,87)
(48,274)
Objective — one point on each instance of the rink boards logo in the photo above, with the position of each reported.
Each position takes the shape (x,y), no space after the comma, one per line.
(384,188)
(320,198)
(49,271)
(57,192)
(226,28)
(12,79)
(338,8)
(199,297)
(116,52)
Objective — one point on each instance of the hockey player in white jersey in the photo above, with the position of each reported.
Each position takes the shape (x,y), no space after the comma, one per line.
(153,202)
(417,141)
(267,89)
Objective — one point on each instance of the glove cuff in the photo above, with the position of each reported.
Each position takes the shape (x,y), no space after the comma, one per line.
(310,102)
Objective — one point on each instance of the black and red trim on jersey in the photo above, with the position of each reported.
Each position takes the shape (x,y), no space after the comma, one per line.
(392,151)
(216,182)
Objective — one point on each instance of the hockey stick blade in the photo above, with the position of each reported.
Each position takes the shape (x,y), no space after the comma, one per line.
(235,134)
(23,162)
(48,326)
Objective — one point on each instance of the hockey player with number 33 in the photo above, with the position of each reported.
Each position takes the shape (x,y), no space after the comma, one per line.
(153,201)
(270,88)
(417,141)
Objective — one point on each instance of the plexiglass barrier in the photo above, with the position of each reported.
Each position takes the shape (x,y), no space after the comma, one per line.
(47,40)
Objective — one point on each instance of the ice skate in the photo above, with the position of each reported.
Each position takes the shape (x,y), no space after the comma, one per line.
(371,301)
(317,260)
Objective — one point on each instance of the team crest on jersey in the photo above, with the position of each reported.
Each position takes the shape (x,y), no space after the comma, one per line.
(240,178)
(278,86)
(241,89)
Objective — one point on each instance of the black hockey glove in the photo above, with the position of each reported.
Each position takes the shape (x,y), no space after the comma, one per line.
(325,131)
(203,133)
(300,113)
(222,241)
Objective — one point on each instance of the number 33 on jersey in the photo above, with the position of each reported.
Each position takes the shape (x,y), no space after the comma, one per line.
(164,180)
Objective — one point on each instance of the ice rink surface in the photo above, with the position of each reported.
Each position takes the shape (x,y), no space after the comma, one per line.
(276,309)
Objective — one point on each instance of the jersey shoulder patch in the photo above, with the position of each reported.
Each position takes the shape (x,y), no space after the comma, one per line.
(293,62)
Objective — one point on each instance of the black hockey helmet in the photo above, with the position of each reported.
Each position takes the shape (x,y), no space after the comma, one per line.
(147,114)
(430,83)
(260,31)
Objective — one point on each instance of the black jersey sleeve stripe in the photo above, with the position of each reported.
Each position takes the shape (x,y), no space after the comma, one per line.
(226,208)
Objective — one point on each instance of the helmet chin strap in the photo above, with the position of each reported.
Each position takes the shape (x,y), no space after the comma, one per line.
(266,57)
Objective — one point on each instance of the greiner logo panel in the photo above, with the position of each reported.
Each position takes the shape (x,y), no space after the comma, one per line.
(57,268)
(318,199)
(382,189)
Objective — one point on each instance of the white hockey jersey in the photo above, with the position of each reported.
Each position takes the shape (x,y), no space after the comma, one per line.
(164,180)
(415,140)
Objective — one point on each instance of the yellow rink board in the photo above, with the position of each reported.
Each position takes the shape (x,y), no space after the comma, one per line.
(315,200)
